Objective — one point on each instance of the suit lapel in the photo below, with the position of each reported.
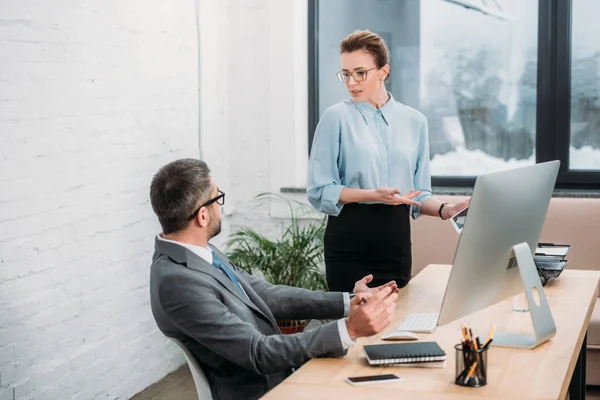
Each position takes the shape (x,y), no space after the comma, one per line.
(181,255)
(249,290)
(201,265)
(259,303)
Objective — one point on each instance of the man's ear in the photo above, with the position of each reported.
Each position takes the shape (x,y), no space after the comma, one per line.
(203,217)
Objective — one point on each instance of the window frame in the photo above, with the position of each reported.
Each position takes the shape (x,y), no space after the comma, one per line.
(553,118)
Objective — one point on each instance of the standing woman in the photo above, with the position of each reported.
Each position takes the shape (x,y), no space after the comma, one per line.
(369,171)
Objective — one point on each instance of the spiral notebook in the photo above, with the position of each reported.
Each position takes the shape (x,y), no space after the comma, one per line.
(399,353)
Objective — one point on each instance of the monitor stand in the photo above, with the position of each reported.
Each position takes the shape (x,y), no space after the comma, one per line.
(541,317)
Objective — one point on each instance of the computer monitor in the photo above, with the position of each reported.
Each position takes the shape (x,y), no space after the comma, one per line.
(507,208)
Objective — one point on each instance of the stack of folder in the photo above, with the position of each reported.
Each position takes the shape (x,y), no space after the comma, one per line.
(550,259)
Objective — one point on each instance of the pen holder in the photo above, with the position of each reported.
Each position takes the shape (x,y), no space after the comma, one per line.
(467,372)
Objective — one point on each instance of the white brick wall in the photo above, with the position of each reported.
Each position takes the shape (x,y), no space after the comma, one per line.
(254,111)
(94,97)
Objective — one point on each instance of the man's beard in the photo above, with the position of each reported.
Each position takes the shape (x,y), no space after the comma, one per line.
(215,227)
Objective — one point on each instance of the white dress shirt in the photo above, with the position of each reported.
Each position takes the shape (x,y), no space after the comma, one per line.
(207,255)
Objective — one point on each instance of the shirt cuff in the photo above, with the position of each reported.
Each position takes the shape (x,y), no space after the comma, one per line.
(330,199)
(415,211)
(344,335)
(346,303)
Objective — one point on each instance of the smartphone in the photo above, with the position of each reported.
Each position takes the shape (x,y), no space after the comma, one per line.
(458,220)
(370,379)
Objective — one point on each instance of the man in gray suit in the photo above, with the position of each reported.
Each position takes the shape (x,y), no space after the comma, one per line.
(227,317)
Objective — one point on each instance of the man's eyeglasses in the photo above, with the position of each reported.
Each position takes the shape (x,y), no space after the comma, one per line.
(219,199)
(358,76)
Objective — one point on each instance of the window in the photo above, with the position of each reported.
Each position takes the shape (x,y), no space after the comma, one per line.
(584,152)
(491,77)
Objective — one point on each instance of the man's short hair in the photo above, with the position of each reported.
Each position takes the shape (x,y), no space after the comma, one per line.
(177,189)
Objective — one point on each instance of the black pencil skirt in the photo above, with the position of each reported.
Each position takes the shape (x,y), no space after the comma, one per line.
(368,239)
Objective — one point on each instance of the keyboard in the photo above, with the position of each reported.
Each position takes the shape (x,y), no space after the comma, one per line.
(419,323)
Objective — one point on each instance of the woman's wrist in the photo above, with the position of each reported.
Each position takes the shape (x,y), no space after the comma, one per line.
(448,211)
(365,195)
(351,195)
(370,195)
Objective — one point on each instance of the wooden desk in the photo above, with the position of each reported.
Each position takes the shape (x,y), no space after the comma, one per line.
(542,373)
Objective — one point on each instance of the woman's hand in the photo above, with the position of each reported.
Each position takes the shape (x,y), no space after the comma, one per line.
(450,211)
(393,196)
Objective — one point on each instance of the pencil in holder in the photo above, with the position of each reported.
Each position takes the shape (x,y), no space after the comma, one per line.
(471,366)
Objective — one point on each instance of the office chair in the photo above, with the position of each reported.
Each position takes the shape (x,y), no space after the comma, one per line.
(202,386)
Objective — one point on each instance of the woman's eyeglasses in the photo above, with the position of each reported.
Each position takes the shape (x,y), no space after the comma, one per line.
(219,199)
(358,76)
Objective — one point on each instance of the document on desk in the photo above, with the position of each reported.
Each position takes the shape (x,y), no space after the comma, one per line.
(552,251)
(431,364)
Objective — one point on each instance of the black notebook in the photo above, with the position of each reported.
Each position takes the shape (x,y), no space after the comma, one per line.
(398,353)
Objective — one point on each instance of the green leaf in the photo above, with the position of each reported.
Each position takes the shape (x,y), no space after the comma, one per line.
(293,259)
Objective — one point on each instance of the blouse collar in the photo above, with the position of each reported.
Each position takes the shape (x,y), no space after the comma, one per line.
(367,110)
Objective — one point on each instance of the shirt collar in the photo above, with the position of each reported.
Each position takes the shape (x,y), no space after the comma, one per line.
(202,252)
(367,110)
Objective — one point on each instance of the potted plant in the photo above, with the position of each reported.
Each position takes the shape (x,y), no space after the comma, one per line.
(293,259)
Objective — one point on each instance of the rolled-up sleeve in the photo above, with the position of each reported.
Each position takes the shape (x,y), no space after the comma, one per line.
(422,177)
(324,184)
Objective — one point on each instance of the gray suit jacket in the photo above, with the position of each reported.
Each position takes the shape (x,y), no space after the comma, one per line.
(235,337)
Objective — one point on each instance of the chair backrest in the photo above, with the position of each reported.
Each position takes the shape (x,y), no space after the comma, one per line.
(202,386)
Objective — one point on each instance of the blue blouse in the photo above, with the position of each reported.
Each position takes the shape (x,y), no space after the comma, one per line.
(359,146)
